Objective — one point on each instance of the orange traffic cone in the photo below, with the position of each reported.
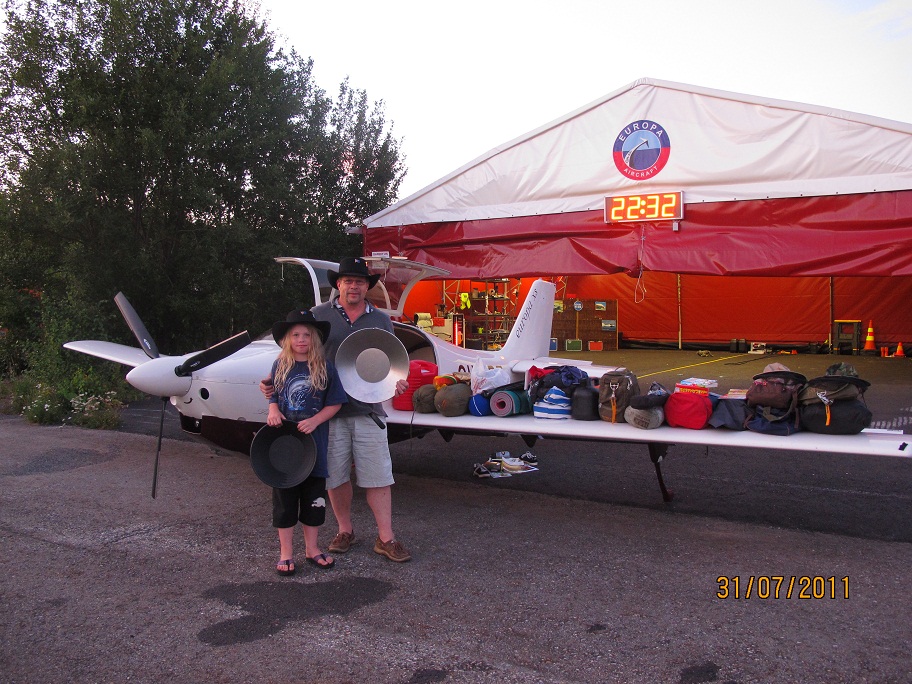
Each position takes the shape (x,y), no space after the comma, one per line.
(899,351)
(869,348)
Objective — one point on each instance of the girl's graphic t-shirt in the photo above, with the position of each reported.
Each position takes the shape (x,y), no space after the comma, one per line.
(298,400)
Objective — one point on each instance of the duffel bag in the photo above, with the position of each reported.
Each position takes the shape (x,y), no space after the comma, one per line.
(844,417)
(776,387)
(687,410)
(616,388)
(772,421)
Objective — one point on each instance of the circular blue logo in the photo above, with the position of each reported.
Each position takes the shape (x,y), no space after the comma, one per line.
(641,150)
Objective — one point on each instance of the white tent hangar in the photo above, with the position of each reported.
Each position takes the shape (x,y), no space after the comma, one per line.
(768,189)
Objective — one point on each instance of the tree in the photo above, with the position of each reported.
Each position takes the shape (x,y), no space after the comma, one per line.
(170,149)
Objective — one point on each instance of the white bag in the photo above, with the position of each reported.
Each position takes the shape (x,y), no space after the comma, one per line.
(483,379)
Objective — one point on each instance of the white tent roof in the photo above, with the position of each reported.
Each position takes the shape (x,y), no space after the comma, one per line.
(723,147)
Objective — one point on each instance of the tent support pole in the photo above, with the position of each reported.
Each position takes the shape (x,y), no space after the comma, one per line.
(680,315)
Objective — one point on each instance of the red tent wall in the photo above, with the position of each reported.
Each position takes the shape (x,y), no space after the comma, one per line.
(851,235)
(717,309)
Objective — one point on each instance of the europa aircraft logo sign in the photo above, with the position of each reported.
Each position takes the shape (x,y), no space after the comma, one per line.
(641,150)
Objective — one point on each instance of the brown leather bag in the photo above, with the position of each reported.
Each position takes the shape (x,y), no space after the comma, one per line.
(773,392)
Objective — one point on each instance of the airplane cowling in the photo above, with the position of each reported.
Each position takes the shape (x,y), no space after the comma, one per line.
(157,377)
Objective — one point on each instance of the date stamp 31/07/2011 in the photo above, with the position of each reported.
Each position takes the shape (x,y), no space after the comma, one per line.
(805,587)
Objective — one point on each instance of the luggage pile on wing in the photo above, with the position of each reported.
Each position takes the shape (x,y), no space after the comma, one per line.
(778,402)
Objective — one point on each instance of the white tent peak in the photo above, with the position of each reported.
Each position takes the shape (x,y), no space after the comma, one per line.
(724,146)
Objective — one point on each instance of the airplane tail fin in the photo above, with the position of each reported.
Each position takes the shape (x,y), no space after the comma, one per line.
(531,333)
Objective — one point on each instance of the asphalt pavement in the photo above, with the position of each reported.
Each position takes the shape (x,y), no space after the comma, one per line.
(575,573)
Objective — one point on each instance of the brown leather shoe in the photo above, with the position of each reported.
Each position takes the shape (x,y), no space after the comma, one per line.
(342,542)
(393,550)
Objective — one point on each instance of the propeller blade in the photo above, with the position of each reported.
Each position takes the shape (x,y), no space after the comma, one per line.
(136,325)
(217,352)
(161,429)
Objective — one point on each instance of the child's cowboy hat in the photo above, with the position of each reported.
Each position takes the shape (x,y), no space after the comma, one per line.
(299,317)
(353,266)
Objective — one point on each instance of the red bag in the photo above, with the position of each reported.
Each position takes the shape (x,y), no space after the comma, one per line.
(688,410)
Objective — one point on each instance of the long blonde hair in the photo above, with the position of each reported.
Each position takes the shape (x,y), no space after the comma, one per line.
(316,360)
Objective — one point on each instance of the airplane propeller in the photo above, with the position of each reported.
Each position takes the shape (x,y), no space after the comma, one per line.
(160,377)
(136,325)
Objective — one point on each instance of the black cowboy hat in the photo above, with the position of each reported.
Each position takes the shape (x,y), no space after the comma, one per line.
(353,266)
(299,317)
(282,456)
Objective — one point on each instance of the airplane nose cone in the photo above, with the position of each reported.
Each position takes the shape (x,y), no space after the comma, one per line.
(157,377)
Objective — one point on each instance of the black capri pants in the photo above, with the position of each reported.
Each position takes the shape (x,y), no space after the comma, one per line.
(305,502)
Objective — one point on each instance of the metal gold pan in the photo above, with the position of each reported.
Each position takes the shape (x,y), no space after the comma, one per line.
(282,456)
(370,363)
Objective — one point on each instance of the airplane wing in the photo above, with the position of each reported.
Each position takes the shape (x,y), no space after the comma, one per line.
(870,442)
(119,353)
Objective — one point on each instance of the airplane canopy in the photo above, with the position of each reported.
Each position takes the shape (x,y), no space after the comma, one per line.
(769,188)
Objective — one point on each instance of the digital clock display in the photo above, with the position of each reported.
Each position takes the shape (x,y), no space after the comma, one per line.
(662,206)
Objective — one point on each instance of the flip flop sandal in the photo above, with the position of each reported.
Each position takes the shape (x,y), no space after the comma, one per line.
(529,458)
(493,466)
(481,471)
(321,557)
(288,565)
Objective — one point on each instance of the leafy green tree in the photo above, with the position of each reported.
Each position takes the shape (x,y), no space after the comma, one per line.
(170,149)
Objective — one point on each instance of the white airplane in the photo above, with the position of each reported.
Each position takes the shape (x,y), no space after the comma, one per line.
(216,391)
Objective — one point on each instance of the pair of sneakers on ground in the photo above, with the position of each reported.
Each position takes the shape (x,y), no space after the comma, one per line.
(502,461)
(394,550)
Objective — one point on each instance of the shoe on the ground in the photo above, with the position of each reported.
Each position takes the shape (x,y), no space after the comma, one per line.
(342,542)
(501,455)
(513,464)
(529,458)
(481,471)
(393,550)
(492,466)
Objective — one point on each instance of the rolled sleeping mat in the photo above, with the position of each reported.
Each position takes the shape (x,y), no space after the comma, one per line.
(503,403)
(510,403)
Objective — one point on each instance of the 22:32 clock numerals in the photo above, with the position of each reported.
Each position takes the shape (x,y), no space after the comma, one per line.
(653,207)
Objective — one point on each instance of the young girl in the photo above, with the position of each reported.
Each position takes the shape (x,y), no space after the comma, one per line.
(307,391)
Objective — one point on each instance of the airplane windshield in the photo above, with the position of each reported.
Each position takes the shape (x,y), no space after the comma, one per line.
(397,277)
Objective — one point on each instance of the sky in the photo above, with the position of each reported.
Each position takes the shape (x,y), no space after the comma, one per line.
(460,78)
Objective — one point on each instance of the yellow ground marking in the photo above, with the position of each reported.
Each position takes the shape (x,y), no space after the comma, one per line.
(693,365)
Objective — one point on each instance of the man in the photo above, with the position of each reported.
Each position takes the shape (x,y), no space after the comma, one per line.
(354,437)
